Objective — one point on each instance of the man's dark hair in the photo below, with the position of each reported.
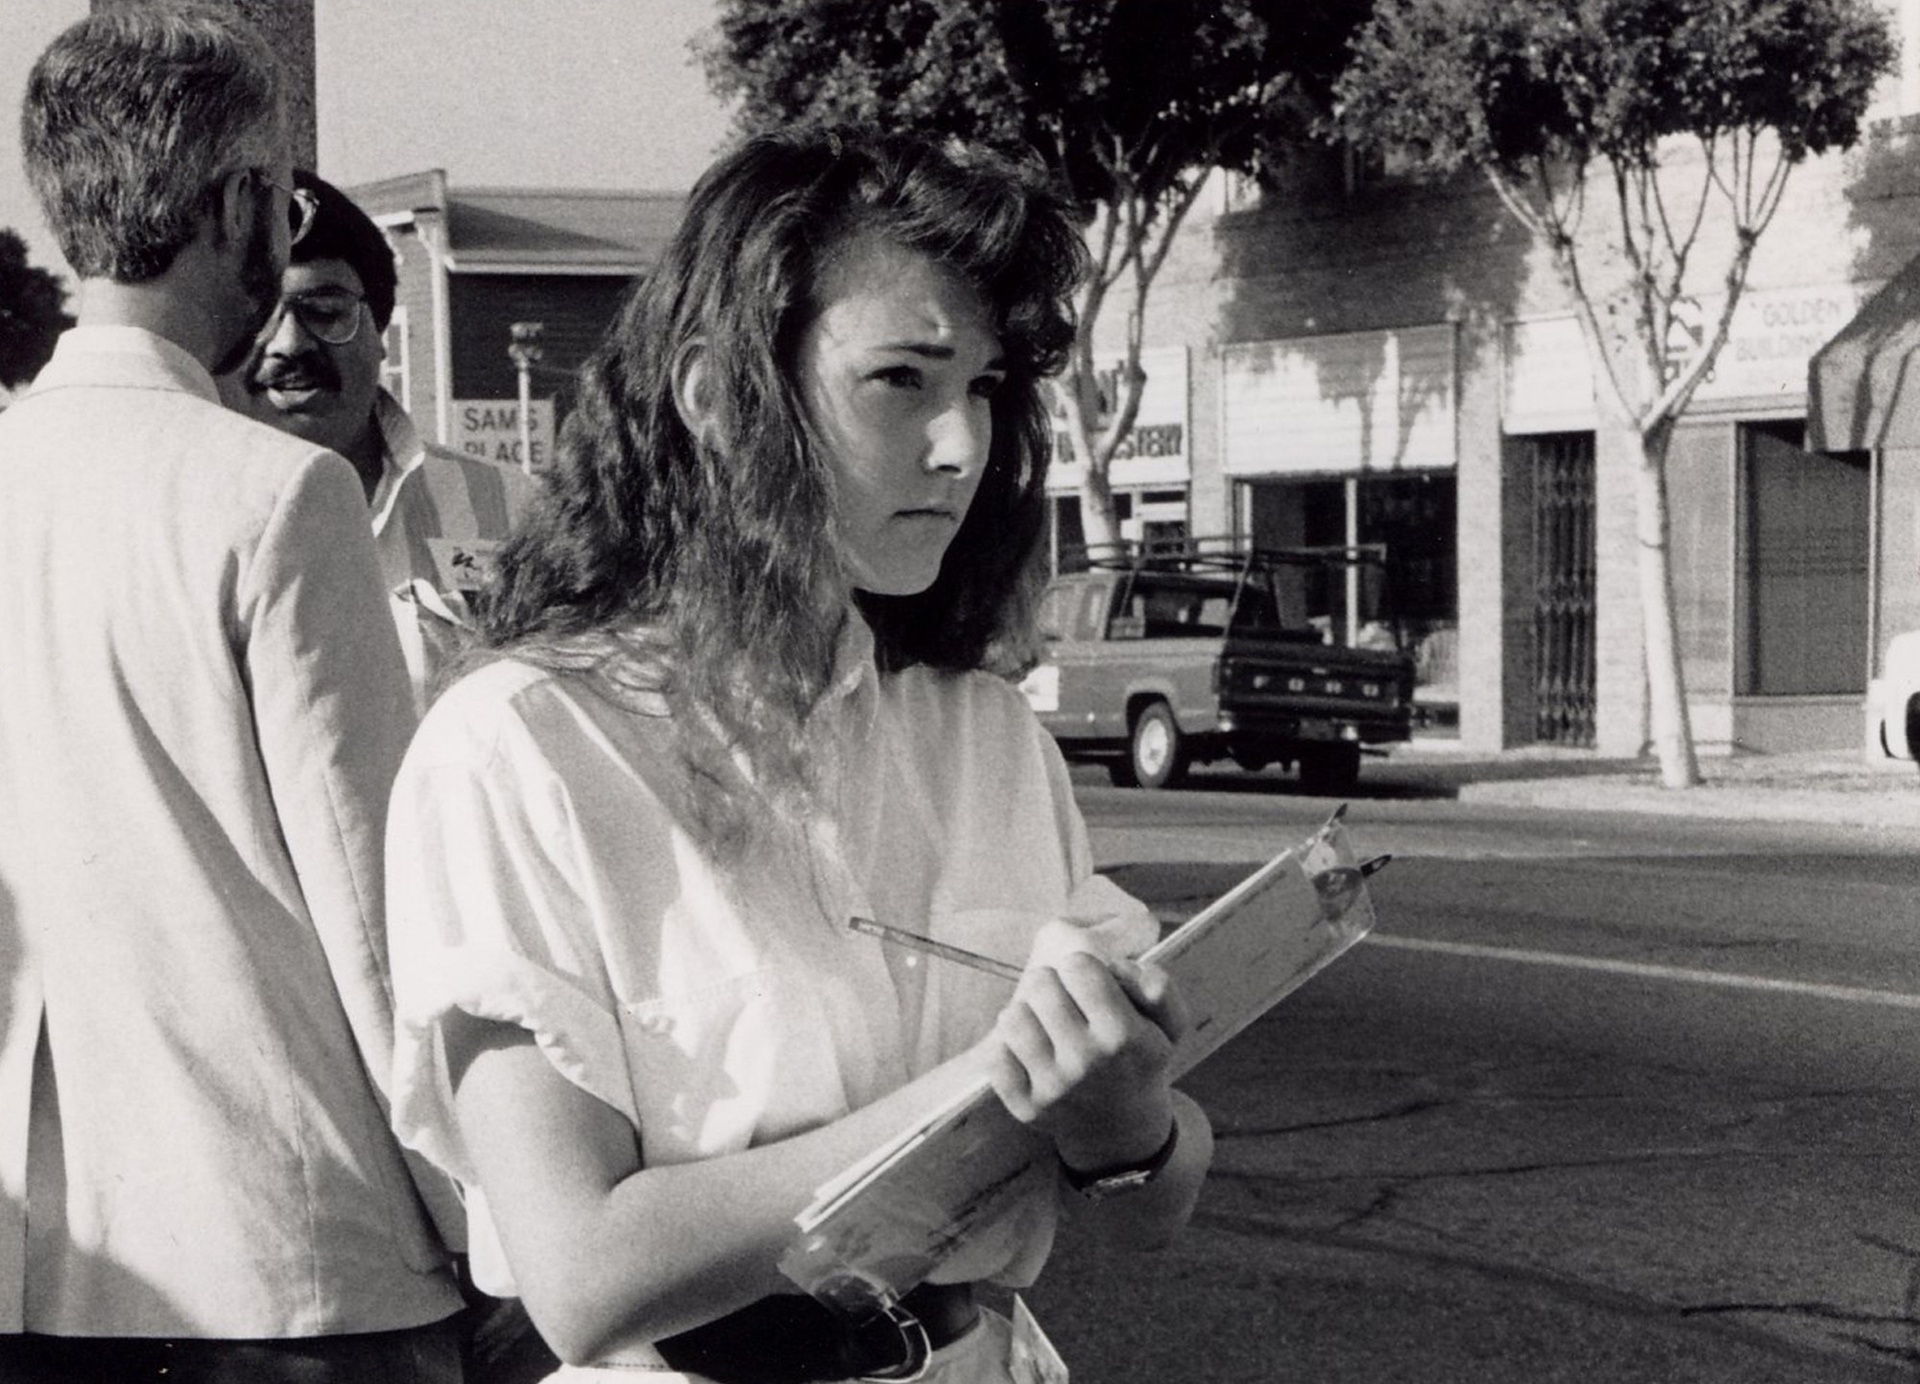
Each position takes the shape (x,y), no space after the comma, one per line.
(342,231)
(132,119)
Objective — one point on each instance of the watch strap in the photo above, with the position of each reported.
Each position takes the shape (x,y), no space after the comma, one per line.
(1101,1183)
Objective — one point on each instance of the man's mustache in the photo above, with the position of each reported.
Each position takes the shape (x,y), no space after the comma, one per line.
(304,371)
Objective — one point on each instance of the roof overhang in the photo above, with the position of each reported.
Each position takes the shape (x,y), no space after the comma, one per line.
(556,267)
(1863,386)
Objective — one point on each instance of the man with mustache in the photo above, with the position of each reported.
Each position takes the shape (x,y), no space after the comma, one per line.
(315,373)
(204,707)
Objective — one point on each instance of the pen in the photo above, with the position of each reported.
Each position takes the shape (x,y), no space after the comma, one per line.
(943,950)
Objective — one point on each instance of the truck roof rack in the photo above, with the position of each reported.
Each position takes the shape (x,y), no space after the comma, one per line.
(1232,556)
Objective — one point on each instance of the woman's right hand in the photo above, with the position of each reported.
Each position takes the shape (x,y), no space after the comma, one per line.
(1082,1050)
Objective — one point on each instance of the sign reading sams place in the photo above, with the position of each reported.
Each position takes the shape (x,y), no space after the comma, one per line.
(490,429)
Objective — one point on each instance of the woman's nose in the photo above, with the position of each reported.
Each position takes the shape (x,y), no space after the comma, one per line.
(959,437)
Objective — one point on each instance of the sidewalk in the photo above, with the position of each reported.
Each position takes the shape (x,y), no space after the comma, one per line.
(1834,787)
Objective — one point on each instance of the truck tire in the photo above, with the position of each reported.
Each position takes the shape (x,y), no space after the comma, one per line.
(1329,769)
(1157,752)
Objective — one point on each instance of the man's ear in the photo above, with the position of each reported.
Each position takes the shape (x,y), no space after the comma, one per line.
(234,207)
(690,386)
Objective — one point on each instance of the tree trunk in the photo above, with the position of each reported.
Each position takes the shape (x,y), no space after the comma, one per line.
(1072,392)
(1666,685)
(1098,523)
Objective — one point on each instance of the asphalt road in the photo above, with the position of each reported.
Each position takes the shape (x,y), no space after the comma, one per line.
(1603,1098)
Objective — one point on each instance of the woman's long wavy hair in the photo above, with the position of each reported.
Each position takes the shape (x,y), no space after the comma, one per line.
(699,573)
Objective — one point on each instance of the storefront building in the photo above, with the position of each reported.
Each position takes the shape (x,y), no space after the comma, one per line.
(475,261)
(1389,360)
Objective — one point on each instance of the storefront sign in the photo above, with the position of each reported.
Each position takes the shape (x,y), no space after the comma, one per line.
(1548,382)
(1154,453)
(490,429)
(1340,404)
(1773,336)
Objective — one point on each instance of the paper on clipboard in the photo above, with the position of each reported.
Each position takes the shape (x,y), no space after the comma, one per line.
(892,1218)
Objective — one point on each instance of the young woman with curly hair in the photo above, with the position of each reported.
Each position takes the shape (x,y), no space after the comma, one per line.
(741,681)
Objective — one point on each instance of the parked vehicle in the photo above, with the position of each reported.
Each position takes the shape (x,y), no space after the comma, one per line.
(1896,698)
(1170,654)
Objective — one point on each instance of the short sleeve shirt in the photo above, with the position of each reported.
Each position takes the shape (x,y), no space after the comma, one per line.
(542,874)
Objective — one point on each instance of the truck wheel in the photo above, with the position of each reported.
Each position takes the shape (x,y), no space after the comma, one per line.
(1329,769)
(1158,754)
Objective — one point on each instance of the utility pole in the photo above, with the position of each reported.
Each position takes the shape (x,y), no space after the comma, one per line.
(523,349)
(287,26)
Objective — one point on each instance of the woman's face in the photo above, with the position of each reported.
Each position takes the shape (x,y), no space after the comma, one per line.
(898,369)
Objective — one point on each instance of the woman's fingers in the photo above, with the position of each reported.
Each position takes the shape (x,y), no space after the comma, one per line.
(1154,994)
(1074,1035)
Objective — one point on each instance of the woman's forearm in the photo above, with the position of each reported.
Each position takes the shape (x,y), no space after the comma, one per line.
(607,1253)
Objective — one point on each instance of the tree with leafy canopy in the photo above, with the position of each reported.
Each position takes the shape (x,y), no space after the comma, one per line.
(1661,120)
(31,316)
(1130,104)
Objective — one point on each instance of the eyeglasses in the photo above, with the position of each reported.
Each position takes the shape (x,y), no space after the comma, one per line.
(330,315)
(302,206)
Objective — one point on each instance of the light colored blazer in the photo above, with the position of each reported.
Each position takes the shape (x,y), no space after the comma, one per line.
(202,706)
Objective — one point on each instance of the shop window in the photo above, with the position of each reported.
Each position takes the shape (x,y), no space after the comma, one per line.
(1414,517)
(1804,525)
(395,375)
(1152,516)
(1412,602)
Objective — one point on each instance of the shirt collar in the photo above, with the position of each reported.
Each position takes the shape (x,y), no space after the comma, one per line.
(176,366)
(402,451)
(853,663)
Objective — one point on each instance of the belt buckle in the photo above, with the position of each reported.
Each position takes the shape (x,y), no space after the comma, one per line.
(913,1337)
(863,1304)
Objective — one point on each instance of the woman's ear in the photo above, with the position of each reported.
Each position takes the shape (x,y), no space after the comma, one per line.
(690,386)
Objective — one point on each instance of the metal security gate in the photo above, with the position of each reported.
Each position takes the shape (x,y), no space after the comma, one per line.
(1563,658)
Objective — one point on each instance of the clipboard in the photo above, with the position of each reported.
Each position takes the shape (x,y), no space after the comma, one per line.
(889,1220)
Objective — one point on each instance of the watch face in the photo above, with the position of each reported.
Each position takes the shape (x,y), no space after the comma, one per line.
(1099,1186)
(1102,1188)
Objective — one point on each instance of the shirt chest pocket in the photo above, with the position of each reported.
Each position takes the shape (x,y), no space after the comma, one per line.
(723,1067)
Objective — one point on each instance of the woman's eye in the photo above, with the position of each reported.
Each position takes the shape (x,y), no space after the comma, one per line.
(987,386)
(901,376)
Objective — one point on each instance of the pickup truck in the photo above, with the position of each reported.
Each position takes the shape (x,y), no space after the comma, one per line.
(1155,660)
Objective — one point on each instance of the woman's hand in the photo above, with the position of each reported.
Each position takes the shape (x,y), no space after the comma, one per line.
(1082,1049)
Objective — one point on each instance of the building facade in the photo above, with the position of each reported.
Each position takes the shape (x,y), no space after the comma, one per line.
(1372,358)
(474,262)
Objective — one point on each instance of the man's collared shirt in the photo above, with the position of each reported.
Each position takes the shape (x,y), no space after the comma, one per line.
(438,518)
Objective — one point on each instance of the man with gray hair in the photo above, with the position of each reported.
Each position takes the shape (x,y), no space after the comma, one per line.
(204,705)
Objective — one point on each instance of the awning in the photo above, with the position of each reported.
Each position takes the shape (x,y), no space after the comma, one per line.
(1863,386)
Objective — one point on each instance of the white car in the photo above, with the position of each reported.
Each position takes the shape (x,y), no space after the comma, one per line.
(1896,698)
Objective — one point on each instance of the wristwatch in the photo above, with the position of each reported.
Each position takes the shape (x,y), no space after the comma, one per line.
(1102,1183)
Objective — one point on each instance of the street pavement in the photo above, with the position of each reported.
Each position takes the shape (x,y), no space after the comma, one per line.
(1439,1166)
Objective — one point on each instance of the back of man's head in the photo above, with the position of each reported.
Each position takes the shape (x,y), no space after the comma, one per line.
(132,118)
(342,231)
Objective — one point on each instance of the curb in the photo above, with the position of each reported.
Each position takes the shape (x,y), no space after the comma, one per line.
(1892,805)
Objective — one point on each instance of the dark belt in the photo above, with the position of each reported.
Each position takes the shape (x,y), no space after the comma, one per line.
(790,1338)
